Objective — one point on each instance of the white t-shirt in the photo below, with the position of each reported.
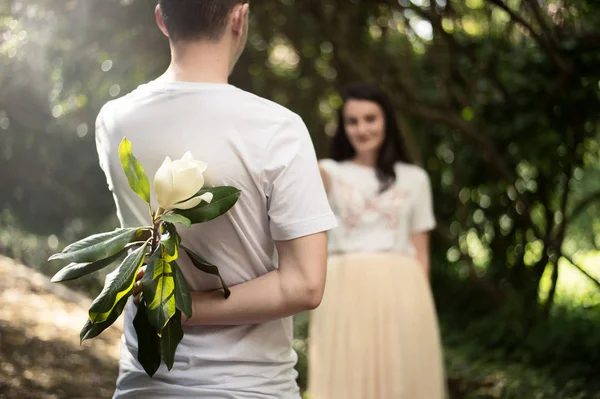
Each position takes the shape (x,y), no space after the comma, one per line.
(371,221)
(264,150)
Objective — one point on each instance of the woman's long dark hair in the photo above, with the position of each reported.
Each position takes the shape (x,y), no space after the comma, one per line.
(392,149)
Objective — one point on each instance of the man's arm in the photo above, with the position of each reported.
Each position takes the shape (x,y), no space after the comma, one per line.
(295,287)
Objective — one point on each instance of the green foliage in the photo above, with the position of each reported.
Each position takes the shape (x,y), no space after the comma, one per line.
(92,330)
(99,246)
(555,361)
(170,337)
(136,175)
(174,218)
(148,341)
(75,270)
(486,349)
(164,292)
(119,284)
(170,242)
(158,286)
(183,297)
(207,268)
(474,374)
(224,198)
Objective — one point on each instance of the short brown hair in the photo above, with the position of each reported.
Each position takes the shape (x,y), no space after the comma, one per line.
(187,20)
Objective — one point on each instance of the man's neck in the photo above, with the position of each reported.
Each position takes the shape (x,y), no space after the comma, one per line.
(198,62)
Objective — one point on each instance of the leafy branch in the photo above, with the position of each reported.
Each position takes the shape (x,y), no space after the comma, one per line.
(165,295)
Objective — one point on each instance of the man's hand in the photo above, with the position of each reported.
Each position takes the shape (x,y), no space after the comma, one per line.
(137,287)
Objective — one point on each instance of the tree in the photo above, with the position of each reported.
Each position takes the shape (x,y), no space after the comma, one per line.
(498,99)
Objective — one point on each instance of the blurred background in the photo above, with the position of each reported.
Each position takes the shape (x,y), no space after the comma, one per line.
(499,100)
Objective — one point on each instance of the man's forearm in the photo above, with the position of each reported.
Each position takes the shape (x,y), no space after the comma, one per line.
(269,297)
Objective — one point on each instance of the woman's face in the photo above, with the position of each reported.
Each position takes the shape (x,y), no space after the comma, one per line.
(364,122)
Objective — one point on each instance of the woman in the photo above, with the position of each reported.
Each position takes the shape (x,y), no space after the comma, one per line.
(375,335)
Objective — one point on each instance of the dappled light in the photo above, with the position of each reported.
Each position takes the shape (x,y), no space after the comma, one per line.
(41,355)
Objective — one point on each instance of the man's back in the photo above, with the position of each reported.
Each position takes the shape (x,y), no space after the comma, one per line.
(265,151)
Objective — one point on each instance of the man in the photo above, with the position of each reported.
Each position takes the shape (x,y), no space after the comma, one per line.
(240,347)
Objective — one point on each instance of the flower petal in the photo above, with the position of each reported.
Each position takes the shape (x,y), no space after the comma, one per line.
(202,166)
(163,184)
(208,197)
(189,204)
(187,180)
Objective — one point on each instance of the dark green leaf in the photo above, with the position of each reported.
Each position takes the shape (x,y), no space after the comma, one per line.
(138,180)
(148,341)
(91,330)
(207,267)
(174,218)
(75,270)
(100,246)
(170,338)
(158,287)
(183,298)
(119,284)
(224,198)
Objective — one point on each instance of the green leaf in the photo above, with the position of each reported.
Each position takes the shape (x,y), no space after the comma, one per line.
(119,284)
(100,246)
(174,218)
(183,298)
(75,270)
(138,180)
(91,330)
(148,341)
(224,198)
(170,241)
(158,287)
(207,267)
(170,338)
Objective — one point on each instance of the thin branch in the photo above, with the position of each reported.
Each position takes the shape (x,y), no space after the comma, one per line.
(558,242)
(535,8)
(554,54)
(562,227)
(446,117)
(407,96)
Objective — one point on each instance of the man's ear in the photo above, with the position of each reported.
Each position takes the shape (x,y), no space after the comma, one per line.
(160,20)
(239,14)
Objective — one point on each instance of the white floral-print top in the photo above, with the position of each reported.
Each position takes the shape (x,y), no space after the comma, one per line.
(369,221)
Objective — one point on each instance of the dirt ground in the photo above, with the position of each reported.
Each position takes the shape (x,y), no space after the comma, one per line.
(40,353)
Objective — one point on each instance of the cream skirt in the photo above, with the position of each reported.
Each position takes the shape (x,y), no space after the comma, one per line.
(375,335)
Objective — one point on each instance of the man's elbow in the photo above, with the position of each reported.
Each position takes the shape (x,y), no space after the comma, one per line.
(312,295)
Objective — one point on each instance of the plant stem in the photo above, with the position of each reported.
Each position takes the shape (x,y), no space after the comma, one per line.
(156,224)
(155,235)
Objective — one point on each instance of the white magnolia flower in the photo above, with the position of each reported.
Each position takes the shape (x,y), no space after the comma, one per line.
(177,181)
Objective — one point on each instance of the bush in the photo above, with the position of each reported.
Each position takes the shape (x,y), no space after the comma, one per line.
(477,372)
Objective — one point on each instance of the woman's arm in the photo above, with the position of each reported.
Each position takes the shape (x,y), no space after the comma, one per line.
(421,245)
(325,177)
